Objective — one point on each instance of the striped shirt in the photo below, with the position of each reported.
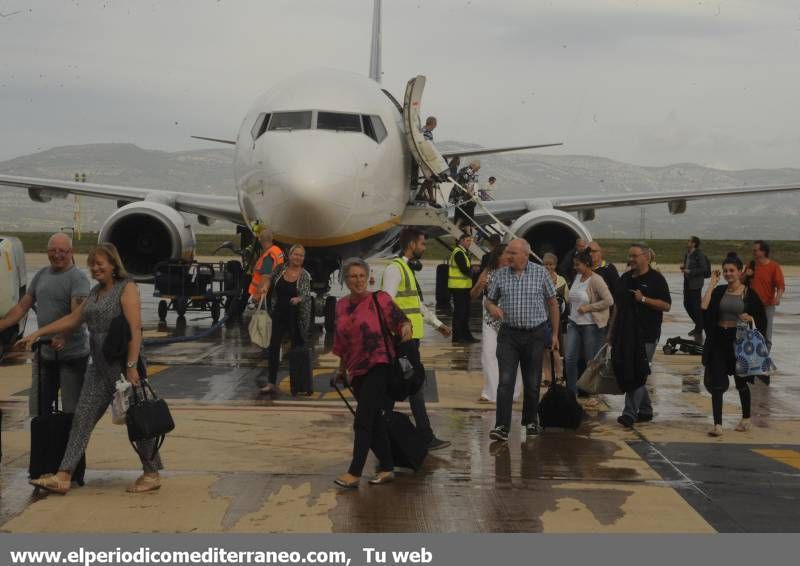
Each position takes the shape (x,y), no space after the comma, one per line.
(427,134)
(523,298)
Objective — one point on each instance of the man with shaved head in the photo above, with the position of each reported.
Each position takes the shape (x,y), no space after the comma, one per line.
(522,296)
(56,291)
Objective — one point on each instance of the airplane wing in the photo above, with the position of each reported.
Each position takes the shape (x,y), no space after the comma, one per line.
(505,209)
(211,206)
(488,150)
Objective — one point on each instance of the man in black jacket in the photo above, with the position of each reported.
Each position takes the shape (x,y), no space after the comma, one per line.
(695,270)
(641,300)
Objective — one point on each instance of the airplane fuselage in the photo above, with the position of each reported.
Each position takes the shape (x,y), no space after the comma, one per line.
(321,159)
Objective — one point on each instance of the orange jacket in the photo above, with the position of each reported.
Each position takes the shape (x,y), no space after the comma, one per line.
(277,260)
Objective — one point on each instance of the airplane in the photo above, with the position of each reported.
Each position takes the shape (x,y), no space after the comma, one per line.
(328,159)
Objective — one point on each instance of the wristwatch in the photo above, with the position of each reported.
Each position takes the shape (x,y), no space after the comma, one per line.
(130,365)
(643,299)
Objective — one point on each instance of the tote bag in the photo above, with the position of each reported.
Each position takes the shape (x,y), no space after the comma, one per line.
(752,352)
(260,326)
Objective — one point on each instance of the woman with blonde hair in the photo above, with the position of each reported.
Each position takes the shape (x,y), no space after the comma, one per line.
(290,308)
(114,293)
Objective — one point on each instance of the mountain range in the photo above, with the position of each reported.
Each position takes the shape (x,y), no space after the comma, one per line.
(518,175)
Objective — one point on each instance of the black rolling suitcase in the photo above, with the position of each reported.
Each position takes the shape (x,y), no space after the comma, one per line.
(49,433)
(301,378)
(559,408)
(408,448)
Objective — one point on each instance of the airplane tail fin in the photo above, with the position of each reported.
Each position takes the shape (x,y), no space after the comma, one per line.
(375,70)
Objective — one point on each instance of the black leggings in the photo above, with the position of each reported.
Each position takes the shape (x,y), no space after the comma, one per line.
(281,326)
(722,363)
(744,397)
(370,422)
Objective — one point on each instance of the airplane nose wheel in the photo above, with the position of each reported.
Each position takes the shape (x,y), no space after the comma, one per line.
(330,314)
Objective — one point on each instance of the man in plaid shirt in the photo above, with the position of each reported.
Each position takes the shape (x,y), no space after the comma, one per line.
(523,297)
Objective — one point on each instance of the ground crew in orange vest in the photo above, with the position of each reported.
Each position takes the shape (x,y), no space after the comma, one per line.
(267,264)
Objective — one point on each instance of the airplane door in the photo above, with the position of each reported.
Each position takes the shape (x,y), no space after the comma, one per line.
(425,153)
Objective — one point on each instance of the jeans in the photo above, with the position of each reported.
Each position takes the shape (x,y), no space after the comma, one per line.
(523,349)
(583,342)
(637,402)
(769,310)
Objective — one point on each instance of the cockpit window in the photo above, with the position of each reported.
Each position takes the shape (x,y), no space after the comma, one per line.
(338,121)
(290,121)
(374,128)
(260,126)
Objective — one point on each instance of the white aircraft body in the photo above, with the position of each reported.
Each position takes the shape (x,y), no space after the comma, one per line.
(327,159)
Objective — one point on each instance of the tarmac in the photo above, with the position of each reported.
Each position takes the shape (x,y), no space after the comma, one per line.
(238,462)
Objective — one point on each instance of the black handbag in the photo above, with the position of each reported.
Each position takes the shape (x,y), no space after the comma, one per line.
(148,418)
(115,345)
(403,378)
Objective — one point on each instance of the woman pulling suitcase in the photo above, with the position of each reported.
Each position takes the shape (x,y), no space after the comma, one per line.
(358,341)
(114,293)
(290,306)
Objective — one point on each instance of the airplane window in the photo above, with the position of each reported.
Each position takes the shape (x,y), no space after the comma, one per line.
(338,121)
(368,129)
(290,121)
(380,129)
(260,126)
(373,127)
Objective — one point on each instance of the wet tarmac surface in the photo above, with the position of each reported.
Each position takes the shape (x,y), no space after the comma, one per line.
(261,464)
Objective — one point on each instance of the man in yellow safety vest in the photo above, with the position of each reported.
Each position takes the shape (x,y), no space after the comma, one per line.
(399,282)
(459,282)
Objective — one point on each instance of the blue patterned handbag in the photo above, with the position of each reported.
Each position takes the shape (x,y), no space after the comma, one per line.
(752,352)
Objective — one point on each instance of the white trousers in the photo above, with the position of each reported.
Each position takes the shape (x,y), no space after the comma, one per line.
(491,372)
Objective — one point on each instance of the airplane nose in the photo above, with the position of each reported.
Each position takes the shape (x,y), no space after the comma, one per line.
(312,190)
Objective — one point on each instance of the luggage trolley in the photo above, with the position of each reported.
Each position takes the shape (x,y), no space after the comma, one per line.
(183,286)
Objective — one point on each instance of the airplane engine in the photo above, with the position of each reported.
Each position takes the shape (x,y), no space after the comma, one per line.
(146,233)
(550,230)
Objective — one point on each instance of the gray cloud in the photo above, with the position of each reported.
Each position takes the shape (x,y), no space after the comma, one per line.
(650,82)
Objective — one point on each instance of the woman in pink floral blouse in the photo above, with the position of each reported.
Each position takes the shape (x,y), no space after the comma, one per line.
(359,343)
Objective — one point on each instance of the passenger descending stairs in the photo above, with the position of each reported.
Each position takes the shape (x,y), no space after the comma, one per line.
(418,214)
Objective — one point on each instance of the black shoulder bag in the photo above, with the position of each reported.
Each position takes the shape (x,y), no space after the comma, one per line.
(402,382)
(148,418)
(115,345)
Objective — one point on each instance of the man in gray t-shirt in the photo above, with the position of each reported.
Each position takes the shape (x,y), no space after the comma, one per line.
(56,291)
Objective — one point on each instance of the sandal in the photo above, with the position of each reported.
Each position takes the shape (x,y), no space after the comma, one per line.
(353,484)
(744,425)
(51,483)
(144,483)
(716,431)
(382,477)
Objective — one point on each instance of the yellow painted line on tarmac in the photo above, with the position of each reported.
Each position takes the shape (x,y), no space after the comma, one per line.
(285,386)
(788,457)
(153,369)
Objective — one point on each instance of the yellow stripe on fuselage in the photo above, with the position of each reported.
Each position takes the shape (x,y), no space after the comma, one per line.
(339,240)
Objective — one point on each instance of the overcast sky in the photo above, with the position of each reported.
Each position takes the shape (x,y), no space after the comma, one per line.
(650,82)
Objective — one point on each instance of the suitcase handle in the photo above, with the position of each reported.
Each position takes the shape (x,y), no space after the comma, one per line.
(36,347)
(553,369)
(339,391)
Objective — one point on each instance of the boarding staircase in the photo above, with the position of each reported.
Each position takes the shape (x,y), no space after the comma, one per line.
(423,214)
